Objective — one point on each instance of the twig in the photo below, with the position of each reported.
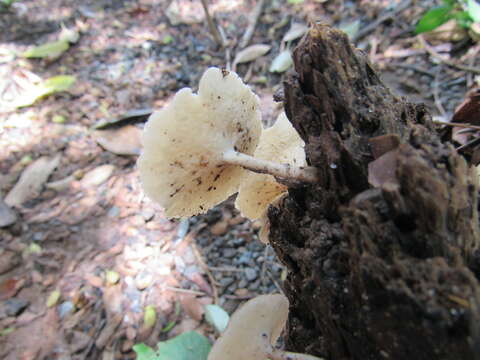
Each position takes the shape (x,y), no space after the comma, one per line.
(186,291)
(225,269)
(369,28)
(436,95)
(471,63)
(439,57)
(211,25)
(468,145)
(205,268)
(414,68)
(253,22)
(454,124)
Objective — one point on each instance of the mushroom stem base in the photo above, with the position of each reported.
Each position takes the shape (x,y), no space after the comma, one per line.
(302,173)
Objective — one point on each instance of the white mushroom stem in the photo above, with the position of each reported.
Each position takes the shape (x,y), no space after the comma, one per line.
(302,173)
(287,355)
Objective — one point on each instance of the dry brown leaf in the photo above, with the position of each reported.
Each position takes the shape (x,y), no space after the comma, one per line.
(97,176)
(192,306)
(32,179)
(382,170)
(250,53)
(123,141)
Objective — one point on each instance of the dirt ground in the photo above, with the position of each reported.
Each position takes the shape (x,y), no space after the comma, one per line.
(83,252)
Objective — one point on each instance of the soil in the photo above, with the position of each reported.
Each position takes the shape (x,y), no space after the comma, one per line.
(89,221)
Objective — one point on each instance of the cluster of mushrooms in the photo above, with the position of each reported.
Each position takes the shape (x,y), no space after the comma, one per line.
(204,147)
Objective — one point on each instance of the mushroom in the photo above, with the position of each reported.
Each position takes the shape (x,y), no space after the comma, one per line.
(264,233)
(195,149)
(182,165)
(280,143)
(253,330)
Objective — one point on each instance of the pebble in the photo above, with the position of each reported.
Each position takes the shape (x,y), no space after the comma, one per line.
(220,228)
(65,308)
(14,306)
(251,274)
(229,253)
(226,281)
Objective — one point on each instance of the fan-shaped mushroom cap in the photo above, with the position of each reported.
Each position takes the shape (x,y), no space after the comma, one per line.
(252,329)
(183,143)
(282,144)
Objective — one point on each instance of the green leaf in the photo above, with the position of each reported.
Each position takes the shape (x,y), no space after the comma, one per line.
(167,39)
(433,19)
(187,346)
(150,316)
(53,298)
(217,317)
(295,1)
(57,84)
(50,50)
(473,10)
(281,62)
(144,352)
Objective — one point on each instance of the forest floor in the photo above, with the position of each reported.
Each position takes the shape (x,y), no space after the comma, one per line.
(82,250)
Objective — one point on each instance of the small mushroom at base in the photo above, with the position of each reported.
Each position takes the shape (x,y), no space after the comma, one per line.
(280,143)
(253,330)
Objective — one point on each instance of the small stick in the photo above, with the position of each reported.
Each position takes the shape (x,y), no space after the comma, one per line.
(454,124)
(439,57)
(211,25)
(186,291)
(247,35)
(436,95)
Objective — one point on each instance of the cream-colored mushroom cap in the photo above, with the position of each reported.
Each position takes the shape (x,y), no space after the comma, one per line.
(282,144)
(252,329)
(264,233)
(181,164)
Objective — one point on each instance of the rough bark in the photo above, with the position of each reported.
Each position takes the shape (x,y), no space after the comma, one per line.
(374,273)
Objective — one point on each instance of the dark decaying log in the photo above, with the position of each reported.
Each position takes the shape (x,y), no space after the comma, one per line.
(375,273)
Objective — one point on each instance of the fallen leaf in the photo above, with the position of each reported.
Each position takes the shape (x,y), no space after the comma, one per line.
(108,331)
(10,287)
(296,30)
(122,141)
(382,170)
(282,62)
(250,53)
(217,317)
(192,306)
(32,180)
(351,28)
(53,298)
(187,346)
(97,176)
(51,50)
(382,144)
(149,317)
(43,89)
(7,215)
(8,260)
(112,277)
(185,12)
